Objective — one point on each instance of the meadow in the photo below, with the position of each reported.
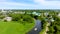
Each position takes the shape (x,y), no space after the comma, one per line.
(14,27)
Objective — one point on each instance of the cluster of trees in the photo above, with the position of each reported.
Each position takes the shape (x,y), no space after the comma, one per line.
(54,27)
(23,18)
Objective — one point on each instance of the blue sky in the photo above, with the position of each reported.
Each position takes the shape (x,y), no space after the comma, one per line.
(29,4)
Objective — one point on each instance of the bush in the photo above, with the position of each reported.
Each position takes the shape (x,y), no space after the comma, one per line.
(1,17)
(15,17)
(28,18)
(58,27)
(51,29)
(5,20)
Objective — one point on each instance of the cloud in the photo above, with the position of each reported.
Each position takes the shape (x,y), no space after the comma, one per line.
(13,3)
(6,4)
(44,2)
(16,5)
(37,4)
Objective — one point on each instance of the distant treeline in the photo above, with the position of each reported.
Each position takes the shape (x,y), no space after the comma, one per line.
(47,10)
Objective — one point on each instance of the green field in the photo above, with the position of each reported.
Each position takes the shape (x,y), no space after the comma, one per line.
(14,27)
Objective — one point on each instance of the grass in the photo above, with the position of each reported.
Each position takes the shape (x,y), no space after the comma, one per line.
(14,27)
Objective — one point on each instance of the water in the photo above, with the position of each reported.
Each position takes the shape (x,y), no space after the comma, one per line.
(38,26)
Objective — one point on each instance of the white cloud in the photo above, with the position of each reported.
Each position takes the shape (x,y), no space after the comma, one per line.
(44,2)
(15,5)
(5,2)
(39,4)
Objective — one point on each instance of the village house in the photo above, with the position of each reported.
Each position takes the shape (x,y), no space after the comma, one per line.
(7,19)
(20,12)
(35,13)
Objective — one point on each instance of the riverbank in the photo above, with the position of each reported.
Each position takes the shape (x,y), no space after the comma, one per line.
(44,31)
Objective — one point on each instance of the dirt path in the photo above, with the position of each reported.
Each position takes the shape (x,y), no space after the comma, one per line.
(47,29)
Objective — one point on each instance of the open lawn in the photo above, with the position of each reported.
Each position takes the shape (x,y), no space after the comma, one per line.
(14,27)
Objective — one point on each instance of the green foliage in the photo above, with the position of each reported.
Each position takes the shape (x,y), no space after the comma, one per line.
(51,29)
(22,18)
(54,28)
(58,27)
(28,18)
(15,17)
(5,20)
(58,32)
(1,17)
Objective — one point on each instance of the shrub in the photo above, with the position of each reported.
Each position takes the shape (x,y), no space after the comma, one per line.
(5,20)
(1,17)
(15,17)
(28,18)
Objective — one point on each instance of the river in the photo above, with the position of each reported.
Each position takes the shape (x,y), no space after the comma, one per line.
(38,26)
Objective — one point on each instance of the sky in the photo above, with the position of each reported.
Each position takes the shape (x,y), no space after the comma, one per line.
(29,4)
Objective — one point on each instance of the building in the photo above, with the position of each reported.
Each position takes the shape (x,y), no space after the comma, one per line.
(59,15)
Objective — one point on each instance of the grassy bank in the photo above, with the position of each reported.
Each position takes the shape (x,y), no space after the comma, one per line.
(14,27)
